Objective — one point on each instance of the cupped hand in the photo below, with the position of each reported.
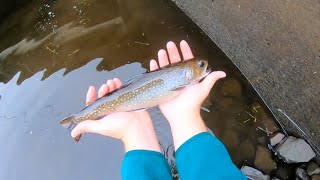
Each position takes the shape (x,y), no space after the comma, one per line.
(116,125)
(189,102)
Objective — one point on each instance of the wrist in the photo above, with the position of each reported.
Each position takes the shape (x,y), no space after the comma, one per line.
(141,136)
(185,125)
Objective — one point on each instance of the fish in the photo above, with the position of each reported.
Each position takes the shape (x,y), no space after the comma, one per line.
(143,91)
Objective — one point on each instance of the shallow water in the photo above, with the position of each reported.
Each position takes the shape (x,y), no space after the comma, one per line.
(50,52)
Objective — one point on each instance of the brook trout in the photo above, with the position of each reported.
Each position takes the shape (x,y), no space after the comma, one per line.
(144,91)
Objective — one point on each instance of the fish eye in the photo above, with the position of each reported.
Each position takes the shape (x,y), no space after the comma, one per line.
(200,63)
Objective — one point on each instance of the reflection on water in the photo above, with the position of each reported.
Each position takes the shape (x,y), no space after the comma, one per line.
(51,52)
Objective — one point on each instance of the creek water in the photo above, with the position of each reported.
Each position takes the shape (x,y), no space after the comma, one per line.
(52,51)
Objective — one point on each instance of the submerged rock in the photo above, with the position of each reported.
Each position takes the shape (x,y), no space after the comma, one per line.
(276,139)
(313,169)
(284,172)
(231,87)
(315,177)
(253,173)
(302,174)
(263,160)
(295,150)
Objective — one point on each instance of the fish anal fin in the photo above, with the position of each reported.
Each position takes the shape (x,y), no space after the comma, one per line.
(141,109)
(77,138)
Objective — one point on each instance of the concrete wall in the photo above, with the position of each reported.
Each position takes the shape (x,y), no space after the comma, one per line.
(276,44)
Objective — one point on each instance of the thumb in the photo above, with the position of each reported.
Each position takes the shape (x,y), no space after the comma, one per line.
(89,126)
(211,79)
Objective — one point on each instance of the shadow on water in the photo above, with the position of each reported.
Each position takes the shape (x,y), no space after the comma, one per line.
(51,52)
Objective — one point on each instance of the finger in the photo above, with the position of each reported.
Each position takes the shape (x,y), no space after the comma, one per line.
(103,90)
(112,85)
(210,80)
(186,50)
(163,58)
(89,126)
(117,82)
(173,52)
(153,65)
(91,95)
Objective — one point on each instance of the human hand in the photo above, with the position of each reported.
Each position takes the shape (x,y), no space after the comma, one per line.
(191,98)
(183,112)
(135,128)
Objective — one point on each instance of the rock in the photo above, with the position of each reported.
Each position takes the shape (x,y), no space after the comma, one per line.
(313,169)
(263,160)
(231,87)
(302,174)
(254,173)
(245,150)
(284,172)
(315,177)
(276,139)
(230,138)
(270,124)
(295,150)
(262,140)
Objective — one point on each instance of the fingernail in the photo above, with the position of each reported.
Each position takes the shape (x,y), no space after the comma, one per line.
(223,74)
(90,88)
(73,134)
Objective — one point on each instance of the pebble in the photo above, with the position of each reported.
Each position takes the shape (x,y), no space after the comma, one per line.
(263,160)
(302,174)
(254,173)
(283,172)
(231,87)
(295,150)
(313,169)
(276,139)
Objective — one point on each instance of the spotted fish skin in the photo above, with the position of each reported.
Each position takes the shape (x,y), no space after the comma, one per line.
(145,91)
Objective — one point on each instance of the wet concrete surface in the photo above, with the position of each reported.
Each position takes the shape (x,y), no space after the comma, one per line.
(276,45)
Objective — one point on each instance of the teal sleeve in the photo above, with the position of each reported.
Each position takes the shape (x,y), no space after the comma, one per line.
(145,165)
(204,157)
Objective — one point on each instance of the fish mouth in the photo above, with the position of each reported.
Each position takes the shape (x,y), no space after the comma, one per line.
(208,70)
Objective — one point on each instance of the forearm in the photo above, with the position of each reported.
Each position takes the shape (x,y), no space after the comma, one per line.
(141,136)
(184,126)
(143,159)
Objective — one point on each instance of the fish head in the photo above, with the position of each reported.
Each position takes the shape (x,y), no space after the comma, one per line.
(197,69)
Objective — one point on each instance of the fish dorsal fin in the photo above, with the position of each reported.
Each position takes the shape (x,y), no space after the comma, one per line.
(131,80)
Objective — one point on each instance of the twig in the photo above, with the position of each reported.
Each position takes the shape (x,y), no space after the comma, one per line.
(255,108)
(255,119)
(141,43)
(73,52)
(246,121)
(266,131)
(53,51)
(80,22)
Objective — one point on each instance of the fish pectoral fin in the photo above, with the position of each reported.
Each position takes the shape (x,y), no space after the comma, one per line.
(204,109)
(131,80)
(141,109)
(180,87)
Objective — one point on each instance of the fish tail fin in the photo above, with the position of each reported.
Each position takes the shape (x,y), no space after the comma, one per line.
(70,123)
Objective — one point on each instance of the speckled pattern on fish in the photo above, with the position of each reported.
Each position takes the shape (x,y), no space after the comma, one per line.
(145,91)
